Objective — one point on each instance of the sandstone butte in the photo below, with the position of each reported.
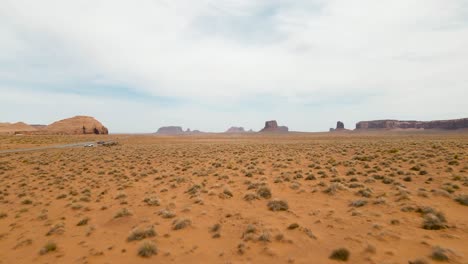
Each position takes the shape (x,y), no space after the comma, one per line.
(272,126)
(76,125)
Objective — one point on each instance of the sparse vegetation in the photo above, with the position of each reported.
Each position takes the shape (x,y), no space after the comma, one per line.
(340,188)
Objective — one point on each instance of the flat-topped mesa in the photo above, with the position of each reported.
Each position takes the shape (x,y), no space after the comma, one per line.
(170,130)
(397,124)
(235,130)
(272,126)
(75,126)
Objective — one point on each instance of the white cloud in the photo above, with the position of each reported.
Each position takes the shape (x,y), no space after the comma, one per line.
(402,56)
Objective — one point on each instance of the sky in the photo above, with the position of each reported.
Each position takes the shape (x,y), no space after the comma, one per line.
(213,64)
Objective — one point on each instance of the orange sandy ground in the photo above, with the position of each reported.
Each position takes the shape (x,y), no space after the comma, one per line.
(44,194)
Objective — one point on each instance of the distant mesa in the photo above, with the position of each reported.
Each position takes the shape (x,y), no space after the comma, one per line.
(236,130)
(176,130)
(272,126)
(70,126)
(397,124)
(77,125)
(171,130)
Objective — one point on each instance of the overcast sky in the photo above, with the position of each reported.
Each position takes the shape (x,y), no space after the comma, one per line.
(212,64)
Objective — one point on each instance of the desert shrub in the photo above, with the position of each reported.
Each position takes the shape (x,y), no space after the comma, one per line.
(139,234)
(166,214)
(264,237)
(418,261)
(434,220)
(147,249)
(407,179)
(278,205)
(250,197)
(57,229)
(365,192)
(227,193)
(462,199)
(152,201)
(122,212)
(48,247)
(26,201)
(358,203)
(334,188)
(264,192)
(181,223)
(439,254)
(83,221)
(3,215)
(215,228)
(341,254)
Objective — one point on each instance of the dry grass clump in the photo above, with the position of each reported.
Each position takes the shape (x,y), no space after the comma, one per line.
(147,249)
(181,223)
(334,188)
(83,221)
(152,201)
(462,199)
(433,219)
(167,213)
(439,254)
(264,192)
(140,234)
(122,213)
(278,205)
(358,203)
(250,197)
(48,247)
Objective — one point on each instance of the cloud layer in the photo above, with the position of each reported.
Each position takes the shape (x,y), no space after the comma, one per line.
(212,64)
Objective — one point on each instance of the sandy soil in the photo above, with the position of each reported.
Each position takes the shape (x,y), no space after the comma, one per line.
(207,199)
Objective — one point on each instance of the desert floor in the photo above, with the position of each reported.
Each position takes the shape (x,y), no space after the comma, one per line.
(296,198)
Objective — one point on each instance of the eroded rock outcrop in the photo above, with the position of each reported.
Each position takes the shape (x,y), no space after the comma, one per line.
(75,126)
(397,124)
(272,126)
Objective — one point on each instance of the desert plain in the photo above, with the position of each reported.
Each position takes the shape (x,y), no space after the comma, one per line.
(397,197)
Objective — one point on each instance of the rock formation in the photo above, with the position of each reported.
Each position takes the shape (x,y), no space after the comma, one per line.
(339,125)
(272,126)
(170,130)
(75,126)
(235,130)
(397,124)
